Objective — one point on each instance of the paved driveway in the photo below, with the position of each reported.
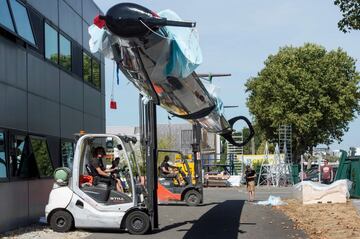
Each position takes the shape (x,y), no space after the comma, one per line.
(224,214)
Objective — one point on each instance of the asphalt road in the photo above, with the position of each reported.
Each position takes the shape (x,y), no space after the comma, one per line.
(224,214)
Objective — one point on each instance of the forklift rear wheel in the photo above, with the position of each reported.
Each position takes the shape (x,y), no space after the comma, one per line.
(192,198)
(138,223)
(61,221)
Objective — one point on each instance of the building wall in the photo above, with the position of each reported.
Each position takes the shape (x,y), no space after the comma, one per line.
(39,97)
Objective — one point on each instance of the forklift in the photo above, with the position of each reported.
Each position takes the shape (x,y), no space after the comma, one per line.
(79,200)
(184,189)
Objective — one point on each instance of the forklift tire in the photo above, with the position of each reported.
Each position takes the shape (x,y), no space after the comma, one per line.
(192,198)
(61,221)
(138,222)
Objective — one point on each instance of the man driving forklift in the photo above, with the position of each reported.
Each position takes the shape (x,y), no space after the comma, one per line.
(101,173)
(169,171)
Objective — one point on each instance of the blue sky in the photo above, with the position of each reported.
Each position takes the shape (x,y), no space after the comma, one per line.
(236,37)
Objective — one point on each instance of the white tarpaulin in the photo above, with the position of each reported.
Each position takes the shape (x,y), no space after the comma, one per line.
(234,180)
(310,192)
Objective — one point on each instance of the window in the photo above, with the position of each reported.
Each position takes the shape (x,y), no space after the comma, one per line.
(22,22)
(3,173)
(65,53)
(42,156)
(5,18)
(22,163)
(67,154)
(96,79)
(87,67)
(91,71)
(51,43)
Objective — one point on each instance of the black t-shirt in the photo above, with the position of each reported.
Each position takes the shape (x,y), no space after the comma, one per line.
(250,173)
(96,162)
(165,165)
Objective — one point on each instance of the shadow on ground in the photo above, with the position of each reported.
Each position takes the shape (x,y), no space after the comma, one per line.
(221,221)
(184,204)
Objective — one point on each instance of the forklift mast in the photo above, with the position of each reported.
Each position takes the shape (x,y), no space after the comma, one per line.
(148,141)
(197,157)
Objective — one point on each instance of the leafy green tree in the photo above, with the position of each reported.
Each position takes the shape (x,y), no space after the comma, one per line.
(166,142)
(314,90)
(350,10)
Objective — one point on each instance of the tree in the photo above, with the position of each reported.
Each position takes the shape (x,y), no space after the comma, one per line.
(166,142)
(314,90)
(350,10)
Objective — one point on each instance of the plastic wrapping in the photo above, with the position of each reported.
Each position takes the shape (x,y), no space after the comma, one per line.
(185,53)
(214,92)
(310,192)
(273,201)
(234,180)
(100,41)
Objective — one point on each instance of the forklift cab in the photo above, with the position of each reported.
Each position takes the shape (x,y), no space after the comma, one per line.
(80,198)
(184,186)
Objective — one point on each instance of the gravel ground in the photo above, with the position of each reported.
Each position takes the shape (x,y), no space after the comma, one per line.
(42,232)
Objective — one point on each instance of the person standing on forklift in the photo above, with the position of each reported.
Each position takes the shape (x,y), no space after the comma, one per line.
(103,174)
(250,176)
(167,170)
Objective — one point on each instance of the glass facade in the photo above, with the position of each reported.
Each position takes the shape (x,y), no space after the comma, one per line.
(87,68)
(22,163)
(22,155)
(96,78)
(5,18)
(65,53)
(67,154)
(22,22)
(3,173)
(42,156)
(51,44)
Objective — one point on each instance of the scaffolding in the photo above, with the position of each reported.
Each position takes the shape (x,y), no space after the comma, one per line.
(278,172)
(235,156)
(285,142)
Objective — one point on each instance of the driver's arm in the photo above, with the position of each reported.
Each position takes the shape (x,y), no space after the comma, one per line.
(165,170)
(101,172)
(110,170)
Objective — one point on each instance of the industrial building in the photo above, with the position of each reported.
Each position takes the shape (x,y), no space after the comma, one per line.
(51,87)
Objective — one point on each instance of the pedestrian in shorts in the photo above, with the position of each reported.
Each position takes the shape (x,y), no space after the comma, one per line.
(250,176)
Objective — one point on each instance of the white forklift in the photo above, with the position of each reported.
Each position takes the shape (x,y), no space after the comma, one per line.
(79,200)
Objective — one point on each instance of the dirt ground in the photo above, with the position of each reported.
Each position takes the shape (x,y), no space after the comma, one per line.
(324,221)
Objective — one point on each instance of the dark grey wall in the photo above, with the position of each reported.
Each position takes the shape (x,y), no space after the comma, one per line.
(37,96)
(24,202)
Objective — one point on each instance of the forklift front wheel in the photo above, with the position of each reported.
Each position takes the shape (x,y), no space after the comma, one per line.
(138,222)
(192,198)
(61,221)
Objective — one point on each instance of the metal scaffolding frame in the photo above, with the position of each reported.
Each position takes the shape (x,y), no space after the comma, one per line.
(233,153)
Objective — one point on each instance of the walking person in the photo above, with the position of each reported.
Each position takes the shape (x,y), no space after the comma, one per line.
(250,176)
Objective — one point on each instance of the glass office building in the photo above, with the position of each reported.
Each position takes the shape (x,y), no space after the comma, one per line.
(51,87)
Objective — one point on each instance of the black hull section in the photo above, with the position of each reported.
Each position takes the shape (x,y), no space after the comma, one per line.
(142,53)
